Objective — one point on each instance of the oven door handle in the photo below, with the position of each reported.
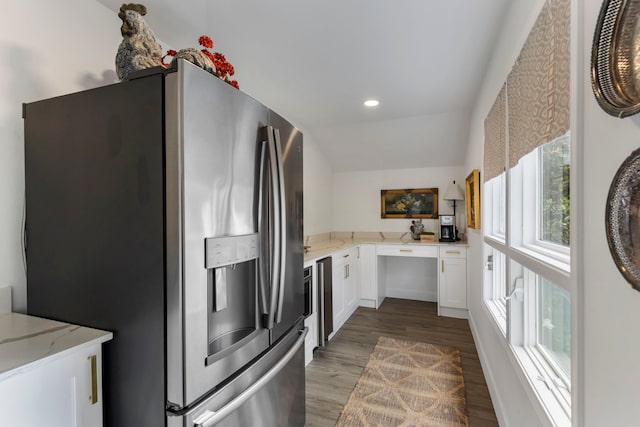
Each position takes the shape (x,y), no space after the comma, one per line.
(211,418)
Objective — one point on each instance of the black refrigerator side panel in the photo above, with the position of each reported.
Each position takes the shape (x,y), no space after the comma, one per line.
(94,183)
(293,302)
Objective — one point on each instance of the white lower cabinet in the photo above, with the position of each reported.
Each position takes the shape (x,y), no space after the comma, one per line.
(369,277)
(65,392)
(337,290)
(352,282)
(345,286)
(453,281)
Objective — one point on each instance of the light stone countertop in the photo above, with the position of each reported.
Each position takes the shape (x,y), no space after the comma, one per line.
(28,341)
(321,249)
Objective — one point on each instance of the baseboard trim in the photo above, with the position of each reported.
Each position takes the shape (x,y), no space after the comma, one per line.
(458,313)
(488,374)
(413,295)
(369,303)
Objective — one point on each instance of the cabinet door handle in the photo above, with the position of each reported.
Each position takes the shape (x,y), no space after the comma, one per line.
(453,252)
(442,265)
(94,379)
(406,250)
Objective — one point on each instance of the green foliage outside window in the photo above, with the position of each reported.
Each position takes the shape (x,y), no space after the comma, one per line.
(556,215)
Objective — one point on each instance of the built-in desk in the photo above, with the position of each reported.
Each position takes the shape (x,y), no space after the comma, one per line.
(426,272)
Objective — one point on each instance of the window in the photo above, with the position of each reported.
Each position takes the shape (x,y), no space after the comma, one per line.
(539,199)
(539,332)
(527,278)
(553,324)
(527,214)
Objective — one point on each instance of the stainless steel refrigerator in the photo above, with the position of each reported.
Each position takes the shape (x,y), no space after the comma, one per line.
(168,209)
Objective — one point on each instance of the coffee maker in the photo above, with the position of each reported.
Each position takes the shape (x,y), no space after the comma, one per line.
(447,228)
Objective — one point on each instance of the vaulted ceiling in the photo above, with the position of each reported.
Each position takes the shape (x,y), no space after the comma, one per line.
(316,62)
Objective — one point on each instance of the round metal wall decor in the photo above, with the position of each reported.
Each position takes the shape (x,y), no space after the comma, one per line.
(623,219)
(615,58)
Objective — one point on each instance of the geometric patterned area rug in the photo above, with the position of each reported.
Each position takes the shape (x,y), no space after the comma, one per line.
(408,383)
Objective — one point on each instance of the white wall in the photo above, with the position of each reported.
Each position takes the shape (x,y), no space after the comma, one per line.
(611,310)
(356,197)
(512,400)
(48,49)
(318,179)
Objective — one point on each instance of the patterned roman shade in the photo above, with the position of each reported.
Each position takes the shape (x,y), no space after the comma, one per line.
(495,126)
(538,86)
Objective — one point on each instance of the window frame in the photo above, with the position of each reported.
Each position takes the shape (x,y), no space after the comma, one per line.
(550,374)
(529,169)
(550,246)
(553,366)
(495,193)
(496,280)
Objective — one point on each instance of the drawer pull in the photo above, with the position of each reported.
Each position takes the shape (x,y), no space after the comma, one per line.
(453,252)
(406,250)
(94,379)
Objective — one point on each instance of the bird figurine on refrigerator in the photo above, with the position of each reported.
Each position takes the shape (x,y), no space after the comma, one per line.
(139,49)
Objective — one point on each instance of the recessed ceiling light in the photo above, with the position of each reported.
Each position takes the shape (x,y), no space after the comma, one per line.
(371,103)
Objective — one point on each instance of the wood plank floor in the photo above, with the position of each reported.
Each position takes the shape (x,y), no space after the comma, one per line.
(336,368)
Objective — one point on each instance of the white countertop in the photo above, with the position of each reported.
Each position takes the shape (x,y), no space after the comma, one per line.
(326,248)
(28,341)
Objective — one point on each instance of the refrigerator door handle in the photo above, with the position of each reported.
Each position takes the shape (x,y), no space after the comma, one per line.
(283,224)
(262,229)
(210,418)
(273,224)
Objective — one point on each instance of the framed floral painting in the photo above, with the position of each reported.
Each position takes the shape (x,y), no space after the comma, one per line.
(409,203)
